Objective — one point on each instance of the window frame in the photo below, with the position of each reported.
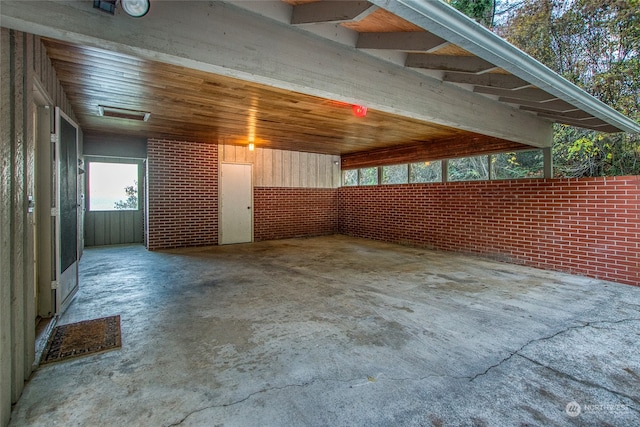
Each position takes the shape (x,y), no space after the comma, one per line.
(140,163)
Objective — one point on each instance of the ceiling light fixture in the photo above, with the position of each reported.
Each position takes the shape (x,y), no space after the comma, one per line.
(135,8)
(123,113)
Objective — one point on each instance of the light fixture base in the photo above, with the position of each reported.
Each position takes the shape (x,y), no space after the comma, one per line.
(135,8)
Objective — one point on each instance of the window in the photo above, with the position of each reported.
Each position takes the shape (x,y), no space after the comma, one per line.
(514,165)
(368,176)
(426,172)
(350,177)
(521,164)
(469,168)
(397,174)
(113,186)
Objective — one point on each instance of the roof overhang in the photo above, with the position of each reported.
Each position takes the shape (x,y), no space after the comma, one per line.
(257,42)
(444,21)
(520,80)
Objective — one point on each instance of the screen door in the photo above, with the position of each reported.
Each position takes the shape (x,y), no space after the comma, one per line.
(66,153)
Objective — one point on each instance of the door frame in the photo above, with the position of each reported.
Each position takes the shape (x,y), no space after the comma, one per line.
(71,273)
(45,237)
(220,188)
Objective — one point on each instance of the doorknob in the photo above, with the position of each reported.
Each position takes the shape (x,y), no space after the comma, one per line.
(248,207)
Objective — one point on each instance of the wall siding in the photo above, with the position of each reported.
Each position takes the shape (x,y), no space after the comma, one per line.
(23,59)
(182,194)
(589,227)
(281,213)
(113,227)
(281,168)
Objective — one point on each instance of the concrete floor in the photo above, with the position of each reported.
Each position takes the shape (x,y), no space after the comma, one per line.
(342,332)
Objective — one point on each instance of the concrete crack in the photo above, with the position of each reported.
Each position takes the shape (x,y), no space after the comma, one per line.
(586,382)
(583,325)
(593,324)
(235,402)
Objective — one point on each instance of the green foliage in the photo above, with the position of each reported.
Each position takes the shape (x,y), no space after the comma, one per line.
(396,174)
(132,198)
(469,169)
(596,45)
(350,177)
(480,10)
(368,176)
(521,164)
(426,172)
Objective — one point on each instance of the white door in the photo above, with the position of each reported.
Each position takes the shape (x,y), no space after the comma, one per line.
(66,210)
(236,203)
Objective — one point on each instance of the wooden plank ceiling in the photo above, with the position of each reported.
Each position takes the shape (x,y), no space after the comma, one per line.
(187,104)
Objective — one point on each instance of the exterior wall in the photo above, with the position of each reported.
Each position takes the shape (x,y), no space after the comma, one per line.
(182,194)
(281,213)
(588,226)
(23,60)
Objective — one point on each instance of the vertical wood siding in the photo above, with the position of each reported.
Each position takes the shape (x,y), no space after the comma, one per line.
(113,227)
(23,59)
(279,168)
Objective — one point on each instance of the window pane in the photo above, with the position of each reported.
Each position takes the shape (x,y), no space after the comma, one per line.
(469,168)
(350,177)
(397,174)
(113,186)
(368,176)
(426,172)
(521,164)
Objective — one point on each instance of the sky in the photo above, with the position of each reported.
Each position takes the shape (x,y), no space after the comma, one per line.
(107,182)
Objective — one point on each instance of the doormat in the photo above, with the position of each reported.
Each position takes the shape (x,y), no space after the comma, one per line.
(83,339)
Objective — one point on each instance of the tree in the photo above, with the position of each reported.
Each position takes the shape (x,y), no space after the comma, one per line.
(132,198)
(595,44)
(481,10)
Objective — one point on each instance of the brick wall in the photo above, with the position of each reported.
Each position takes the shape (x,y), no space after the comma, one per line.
(183,194)
(588,226)
(281,213)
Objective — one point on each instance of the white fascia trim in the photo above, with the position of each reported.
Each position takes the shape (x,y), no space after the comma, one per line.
(444,21)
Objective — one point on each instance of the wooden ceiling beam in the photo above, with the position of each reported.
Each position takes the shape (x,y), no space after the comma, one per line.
(446,148)
(464,64)
(589,123)
(331,11)
(527,94)
(412,41)
(556,105)
(575,115)
(502,81)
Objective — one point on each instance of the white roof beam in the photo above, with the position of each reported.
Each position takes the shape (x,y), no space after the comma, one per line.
(575,115)
(557,105)
(331,11)
(503,81)
(464,64)
(528,94)
(415,41)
